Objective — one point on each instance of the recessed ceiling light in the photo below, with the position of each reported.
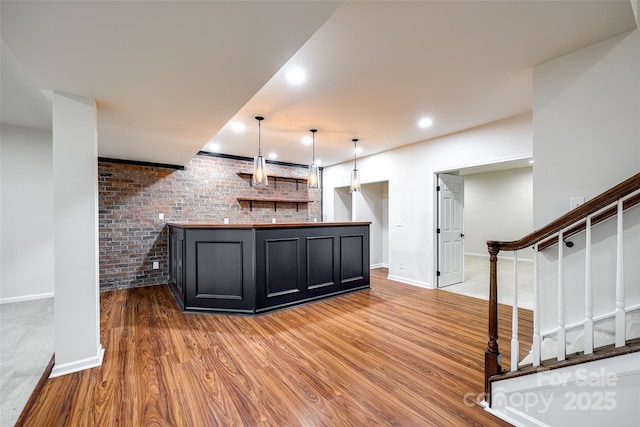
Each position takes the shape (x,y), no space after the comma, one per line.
(273,156)
(425,122)
(212,146)
(306,140)
(296,76)
(238,127)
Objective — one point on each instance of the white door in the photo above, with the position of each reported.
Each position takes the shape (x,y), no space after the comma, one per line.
(450,230)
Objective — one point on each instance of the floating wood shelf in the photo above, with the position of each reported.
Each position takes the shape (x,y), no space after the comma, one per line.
(275,178)
(275,202)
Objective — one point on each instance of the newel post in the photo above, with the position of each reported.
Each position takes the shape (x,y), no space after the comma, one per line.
(492,356)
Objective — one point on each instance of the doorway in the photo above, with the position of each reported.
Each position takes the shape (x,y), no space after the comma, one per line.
(450,229)
(371,204)
(498,205)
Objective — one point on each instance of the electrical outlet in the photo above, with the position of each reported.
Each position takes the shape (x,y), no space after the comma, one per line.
(156,265)
(401,265)
(160,215)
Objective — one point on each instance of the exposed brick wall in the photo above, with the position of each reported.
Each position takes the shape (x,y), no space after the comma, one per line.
(131,197)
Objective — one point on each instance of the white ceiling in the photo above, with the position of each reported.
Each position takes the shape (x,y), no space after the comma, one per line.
(169,76)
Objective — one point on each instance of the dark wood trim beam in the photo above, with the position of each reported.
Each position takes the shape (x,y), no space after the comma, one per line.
(250,159)
(140,163)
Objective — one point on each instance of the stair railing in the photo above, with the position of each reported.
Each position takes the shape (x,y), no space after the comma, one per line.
(611,203)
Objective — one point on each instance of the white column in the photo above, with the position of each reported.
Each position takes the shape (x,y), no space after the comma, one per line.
(75,213)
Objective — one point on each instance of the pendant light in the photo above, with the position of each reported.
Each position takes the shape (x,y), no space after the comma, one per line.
(355,173)
(259,163)
(314,173)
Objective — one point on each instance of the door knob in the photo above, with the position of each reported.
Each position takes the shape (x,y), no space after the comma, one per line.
(461,235)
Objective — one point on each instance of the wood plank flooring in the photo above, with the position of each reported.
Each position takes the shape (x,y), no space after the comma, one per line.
(393,355)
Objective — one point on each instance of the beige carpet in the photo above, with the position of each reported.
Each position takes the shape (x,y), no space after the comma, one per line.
(476,280)
(26,347)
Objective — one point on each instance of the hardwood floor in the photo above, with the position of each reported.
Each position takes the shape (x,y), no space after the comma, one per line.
(392,355)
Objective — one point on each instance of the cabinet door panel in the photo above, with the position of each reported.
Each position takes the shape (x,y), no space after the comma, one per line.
(351,258)
(282,262)
(219,272)
(320,262)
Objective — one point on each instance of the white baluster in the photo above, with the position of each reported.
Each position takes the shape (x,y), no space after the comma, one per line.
(588,293)
(515,345)
(536,343)
(561,335)
(620,314)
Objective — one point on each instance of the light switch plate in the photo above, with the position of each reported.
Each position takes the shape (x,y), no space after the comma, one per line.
(574,202)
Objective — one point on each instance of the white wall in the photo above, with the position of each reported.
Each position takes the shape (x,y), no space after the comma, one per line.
(586,123)
(498,205)
(410,172)
(341,206)
(586,129)
(370,206)
(26,227)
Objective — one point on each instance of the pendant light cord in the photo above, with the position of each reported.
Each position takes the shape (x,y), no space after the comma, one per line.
(313,145)
(355,156)
(259,133)
(259,119)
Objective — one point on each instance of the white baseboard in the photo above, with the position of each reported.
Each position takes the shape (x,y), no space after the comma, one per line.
(26,298)
(410,281)
(380,265)
(78,365)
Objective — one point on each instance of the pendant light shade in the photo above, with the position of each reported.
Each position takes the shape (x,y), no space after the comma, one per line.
(314,172)
(314,176)
(259,163)
(355,173)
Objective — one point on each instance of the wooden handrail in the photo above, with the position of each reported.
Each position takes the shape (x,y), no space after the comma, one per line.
(572,223)
(596,219)
(592,206)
